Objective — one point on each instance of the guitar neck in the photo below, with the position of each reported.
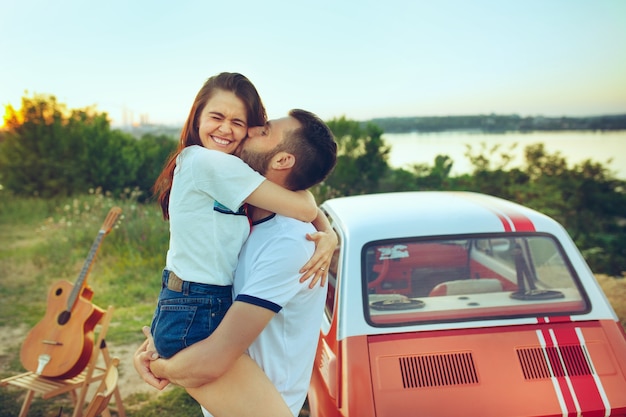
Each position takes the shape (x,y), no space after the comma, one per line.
(80,281)
(106,227)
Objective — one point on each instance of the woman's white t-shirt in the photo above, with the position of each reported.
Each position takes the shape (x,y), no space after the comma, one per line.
(207,224)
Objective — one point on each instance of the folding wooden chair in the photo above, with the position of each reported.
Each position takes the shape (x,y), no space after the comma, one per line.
(78,386)
(99,404)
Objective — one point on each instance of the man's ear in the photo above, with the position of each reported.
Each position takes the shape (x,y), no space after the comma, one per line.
(283,160)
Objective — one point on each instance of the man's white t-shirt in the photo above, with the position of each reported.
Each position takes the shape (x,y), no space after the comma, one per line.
(267,275)
(207,225)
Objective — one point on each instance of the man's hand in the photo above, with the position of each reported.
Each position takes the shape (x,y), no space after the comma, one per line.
(143,358)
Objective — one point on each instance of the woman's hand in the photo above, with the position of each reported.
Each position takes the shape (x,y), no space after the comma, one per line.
(317,267)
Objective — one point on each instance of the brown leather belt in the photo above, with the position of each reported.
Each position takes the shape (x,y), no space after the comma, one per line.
(174,283)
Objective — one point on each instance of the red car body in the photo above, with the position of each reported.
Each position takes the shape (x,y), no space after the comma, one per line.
(462,304)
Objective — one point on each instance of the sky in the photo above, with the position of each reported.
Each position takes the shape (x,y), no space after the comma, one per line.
(146,60)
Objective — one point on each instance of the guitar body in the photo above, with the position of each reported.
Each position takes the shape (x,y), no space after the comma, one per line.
(66,337)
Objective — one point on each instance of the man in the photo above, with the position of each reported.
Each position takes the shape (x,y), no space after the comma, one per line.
(274,317)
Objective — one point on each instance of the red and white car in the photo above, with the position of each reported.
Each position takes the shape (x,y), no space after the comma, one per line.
(460,304)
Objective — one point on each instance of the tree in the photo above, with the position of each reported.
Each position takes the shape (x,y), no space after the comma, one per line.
(362,157)
(36,148)
(49,150)
(154,151)
(586,199)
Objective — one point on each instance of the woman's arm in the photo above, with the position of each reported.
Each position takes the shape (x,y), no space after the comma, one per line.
(299,205)
(219,174)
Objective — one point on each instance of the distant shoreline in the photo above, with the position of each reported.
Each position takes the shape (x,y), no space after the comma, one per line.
(491,123)
(494,123)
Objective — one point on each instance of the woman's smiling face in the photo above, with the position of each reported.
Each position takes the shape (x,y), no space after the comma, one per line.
(223,122)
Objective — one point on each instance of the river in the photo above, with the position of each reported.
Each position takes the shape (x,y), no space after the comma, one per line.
(608,148)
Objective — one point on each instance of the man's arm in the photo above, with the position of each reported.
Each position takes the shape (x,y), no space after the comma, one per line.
(207,360)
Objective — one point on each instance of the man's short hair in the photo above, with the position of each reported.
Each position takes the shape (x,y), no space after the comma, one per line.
(314,147)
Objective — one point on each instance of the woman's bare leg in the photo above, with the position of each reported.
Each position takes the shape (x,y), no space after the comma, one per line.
(243,391)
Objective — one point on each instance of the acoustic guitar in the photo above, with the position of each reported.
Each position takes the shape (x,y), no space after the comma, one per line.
(61,344)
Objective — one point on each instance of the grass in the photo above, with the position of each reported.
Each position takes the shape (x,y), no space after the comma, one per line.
(43,241)
(52,243)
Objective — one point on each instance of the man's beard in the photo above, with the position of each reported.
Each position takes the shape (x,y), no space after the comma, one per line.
(258,161)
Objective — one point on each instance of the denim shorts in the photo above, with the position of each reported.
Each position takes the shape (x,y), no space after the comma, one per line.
(189,316)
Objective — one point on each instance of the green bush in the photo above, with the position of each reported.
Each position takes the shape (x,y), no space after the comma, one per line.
(50,151)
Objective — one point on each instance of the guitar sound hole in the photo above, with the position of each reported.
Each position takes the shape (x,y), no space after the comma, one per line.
(58,292)
(64,317)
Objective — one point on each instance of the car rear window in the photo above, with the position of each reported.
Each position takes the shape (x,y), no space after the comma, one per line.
(465,278)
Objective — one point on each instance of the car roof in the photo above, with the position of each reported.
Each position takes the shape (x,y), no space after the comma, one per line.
(432,213)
